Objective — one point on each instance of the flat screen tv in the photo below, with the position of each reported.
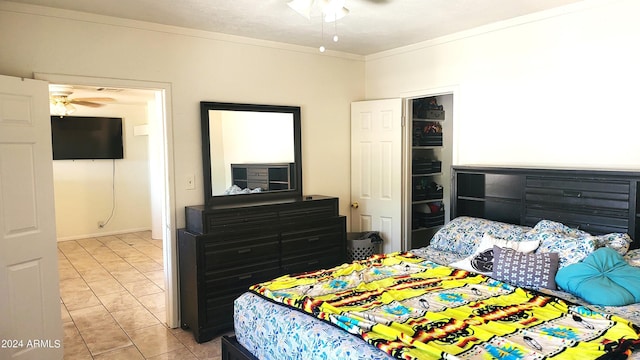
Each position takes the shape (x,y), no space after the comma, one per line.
(86,137)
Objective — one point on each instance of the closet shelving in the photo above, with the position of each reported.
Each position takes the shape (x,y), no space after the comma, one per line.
(427,176)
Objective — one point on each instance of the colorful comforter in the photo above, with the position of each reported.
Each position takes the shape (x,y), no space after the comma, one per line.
(412,308)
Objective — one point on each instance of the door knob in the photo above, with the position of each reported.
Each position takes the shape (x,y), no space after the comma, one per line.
(355,205)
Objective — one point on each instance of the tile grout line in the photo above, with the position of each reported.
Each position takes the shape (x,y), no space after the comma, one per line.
(67,309)
(101,303)
(109,311)
(94,294)
(87,251)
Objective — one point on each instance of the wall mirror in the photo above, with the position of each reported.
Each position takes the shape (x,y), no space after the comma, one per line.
(250,152)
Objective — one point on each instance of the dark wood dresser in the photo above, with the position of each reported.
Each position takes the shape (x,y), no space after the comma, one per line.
(225,249)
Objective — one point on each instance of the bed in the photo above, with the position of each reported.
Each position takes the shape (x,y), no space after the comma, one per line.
(303,316)
(481,289)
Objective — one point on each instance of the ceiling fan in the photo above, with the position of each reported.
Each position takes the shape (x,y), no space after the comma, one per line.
(61,104)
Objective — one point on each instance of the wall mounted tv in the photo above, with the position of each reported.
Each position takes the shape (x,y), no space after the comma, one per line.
(86,137)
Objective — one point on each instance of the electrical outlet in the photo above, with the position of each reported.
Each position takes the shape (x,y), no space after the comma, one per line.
(190,183)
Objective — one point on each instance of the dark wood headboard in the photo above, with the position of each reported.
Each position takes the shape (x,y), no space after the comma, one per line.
(598,202)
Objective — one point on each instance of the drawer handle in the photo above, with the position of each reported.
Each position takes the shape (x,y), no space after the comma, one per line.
(245,277)
(313,239)
(568,193)
(244,251)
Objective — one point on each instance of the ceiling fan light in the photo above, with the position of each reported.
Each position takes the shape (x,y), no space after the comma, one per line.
(59,108)
(302,7)
(69,109)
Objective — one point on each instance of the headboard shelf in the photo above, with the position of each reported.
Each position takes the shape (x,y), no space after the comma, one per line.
(595,201)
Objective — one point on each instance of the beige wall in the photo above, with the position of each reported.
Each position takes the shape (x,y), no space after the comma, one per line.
(558,88)
(199,66)
(554,89)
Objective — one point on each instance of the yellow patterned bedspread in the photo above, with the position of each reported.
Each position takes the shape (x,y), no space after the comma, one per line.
(412,308)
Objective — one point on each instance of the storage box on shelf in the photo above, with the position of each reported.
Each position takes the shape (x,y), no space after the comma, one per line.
(427,108)
(427,133)
(431,216)
(425,166)
(426,189)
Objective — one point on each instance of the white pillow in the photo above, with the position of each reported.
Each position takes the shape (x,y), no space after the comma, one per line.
(481,261)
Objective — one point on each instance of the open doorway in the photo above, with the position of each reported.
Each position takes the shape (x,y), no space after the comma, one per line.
(104,161)
(149,119)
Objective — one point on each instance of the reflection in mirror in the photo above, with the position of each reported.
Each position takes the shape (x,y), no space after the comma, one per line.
(250,152)
(255,147)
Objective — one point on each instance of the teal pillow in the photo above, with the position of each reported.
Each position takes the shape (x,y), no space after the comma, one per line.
(602,278)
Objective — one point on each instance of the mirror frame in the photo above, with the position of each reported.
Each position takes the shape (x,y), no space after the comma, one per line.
(211,200)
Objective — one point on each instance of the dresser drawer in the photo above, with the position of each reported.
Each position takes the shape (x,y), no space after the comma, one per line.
(318,235)
(240,278)
(317,209)
(325,259)
(230,251)
(250,217)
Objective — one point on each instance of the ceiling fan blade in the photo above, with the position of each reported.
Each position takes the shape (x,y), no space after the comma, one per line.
(87,103)
(93,99)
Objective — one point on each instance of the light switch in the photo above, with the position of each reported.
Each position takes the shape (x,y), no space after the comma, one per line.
(190,183)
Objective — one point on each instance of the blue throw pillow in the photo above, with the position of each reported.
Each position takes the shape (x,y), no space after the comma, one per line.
(602,278)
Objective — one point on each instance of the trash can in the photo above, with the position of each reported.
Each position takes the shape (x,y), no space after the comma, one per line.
(361,245)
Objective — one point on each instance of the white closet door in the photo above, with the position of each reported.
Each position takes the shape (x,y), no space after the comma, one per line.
(376,169)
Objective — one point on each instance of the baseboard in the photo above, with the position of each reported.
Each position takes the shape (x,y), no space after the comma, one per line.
(102,233)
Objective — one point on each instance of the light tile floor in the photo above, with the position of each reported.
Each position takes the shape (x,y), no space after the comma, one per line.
(113,306)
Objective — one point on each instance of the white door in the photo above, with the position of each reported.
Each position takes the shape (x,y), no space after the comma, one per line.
(376,169)
(30,323)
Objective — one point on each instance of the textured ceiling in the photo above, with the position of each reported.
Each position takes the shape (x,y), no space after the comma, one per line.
(372,25)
